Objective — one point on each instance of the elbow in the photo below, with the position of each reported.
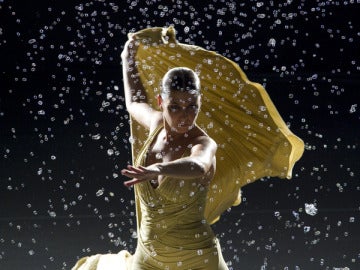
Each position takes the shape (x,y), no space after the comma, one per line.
(200,169)
(131,105)
(128,104)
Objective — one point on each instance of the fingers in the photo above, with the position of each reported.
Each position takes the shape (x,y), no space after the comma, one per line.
(131,170)
(132,182)
(132,36)
(139,169)
(138,174)
(129,174)
(135,173)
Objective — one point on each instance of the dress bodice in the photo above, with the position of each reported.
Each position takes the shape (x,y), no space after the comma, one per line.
(174,205)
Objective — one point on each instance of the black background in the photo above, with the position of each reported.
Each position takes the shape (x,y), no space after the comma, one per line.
(64,128)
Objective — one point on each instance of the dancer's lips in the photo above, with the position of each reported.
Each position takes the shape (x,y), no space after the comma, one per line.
(185,124)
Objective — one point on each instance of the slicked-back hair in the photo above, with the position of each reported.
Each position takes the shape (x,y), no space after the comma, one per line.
(180,79)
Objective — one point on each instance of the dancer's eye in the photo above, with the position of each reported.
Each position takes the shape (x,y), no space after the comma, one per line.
(193,107)
(174,108)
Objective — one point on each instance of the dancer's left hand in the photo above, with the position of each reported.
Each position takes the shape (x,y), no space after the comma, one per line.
(140,174)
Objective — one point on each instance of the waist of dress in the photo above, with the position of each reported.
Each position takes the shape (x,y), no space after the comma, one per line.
(178,238)
(170,232)
(172,254)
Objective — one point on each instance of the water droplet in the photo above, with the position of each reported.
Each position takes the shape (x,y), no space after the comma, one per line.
(310,209)
(100,192)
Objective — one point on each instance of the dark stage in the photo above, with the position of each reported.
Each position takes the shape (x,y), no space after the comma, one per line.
(64,131)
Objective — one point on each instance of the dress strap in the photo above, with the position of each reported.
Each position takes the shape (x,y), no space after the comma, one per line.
(142,153)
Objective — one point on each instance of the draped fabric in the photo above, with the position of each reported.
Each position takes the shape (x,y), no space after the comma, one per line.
(119,261)
(253,140)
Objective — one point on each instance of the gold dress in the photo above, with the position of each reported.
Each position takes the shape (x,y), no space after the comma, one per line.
(253,142)
(172,230)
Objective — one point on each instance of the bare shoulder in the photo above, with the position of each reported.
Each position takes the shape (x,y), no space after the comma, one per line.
(203,139)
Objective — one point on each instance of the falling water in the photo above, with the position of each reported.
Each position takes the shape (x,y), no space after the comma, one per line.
(65,130)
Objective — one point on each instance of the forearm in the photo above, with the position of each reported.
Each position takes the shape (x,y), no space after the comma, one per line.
(133,88)
(187,167)
(199,165)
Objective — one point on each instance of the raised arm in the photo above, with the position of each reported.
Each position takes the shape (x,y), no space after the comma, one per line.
(135,95)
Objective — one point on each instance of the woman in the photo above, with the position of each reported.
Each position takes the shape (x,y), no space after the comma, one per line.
(178,191)
(172,173)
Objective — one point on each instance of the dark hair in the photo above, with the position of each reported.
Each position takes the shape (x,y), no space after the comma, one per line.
(180,79)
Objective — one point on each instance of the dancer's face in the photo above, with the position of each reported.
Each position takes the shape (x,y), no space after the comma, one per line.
(180,110)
